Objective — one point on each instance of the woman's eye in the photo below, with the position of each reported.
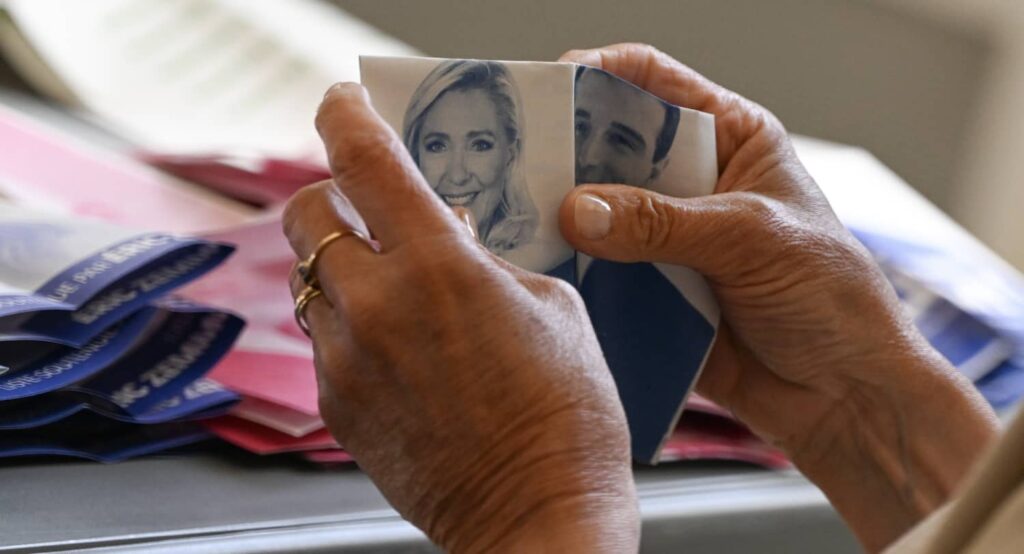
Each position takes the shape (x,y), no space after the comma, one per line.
(435,146)
(481,145)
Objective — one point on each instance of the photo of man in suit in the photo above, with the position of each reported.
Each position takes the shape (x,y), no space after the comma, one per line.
(653,338)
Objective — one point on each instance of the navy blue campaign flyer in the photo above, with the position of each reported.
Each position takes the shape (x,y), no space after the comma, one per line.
(200,399)
(65,281)
(508,141)
(93,437)
(133,361)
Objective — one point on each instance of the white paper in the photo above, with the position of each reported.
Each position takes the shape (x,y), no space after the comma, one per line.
(197,76)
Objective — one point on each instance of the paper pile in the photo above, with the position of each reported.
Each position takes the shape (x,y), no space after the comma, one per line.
(965,299)
(99,359)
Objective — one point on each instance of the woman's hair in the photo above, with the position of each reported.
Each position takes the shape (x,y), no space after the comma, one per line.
(515,218)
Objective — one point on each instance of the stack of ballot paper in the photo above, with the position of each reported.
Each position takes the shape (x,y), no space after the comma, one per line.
(98,358)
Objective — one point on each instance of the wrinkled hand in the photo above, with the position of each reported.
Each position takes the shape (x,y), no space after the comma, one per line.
(815,353)
(473,393)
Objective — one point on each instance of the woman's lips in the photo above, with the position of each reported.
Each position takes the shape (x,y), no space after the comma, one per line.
(459,199)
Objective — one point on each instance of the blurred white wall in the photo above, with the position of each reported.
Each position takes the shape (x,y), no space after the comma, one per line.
(988,190)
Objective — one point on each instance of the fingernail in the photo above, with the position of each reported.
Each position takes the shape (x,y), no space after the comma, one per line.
(583,57)
(593,216)
(344,89)
(466,217)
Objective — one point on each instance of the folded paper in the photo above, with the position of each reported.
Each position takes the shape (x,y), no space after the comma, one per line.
(508,140)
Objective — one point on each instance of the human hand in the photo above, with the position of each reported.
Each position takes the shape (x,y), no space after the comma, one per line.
(815,353)
(473,393)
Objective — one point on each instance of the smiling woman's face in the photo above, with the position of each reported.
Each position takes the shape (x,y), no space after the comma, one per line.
(464,153)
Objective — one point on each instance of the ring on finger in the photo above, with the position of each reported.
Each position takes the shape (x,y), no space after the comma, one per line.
(306,269)
(301,302)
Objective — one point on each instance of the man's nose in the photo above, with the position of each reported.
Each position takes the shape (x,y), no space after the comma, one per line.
(456,170)
(587,152)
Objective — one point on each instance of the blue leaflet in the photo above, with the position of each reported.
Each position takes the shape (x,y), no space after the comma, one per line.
(106,286)
(14,304)
(94,437)
(972,346)
(61,366)
(989,299)
(200,399)
(1003,386)
(88,296)
(161,348)
(180,355)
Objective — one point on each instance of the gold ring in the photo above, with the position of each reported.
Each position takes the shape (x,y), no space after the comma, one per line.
(301,301)
(307,268)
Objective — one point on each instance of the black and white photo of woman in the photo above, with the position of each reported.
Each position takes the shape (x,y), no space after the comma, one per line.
(463,127)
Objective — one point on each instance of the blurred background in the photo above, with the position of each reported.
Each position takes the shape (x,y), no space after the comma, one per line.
(933,88)
(930,87)
(195,117)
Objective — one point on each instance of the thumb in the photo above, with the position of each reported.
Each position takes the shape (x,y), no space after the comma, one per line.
(715,235)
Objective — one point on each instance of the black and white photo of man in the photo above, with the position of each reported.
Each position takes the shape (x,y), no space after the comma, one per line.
(652,336)
(623,134)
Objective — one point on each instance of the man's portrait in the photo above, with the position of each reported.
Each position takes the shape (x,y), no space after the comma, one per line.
(623,134)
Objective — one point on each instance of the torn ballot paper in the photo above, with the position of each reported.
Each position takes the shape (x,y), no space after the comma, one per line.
(508,140)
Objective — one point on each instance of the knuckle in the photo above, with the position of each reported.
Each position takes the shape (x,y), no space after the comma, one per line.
(360,155)
(652,227)
(301,203)
(783,231)
(761,214)
(567,293)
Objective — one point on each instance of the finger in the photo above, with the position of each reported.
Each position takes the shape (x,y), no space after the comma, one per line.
(737,119)
(373,169)
(658,73)
(629,224)
(318,314)
(315,212)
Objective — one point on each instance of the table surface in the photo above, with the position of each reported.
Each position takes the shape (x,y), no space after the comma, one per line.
(224,500)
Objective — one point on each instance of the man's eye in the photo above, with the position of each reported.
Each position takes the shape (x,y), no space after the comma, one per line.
(481,145)
(622,142)
(435,146)
(582,128)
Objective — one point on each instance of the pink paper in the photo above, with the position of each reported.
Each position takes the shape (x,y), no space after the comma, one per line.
(262,440)
(277,417)
(335,456)
(273,361)
(698,403)
(46,169)
(288,381)
(704,437)
(260,181)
